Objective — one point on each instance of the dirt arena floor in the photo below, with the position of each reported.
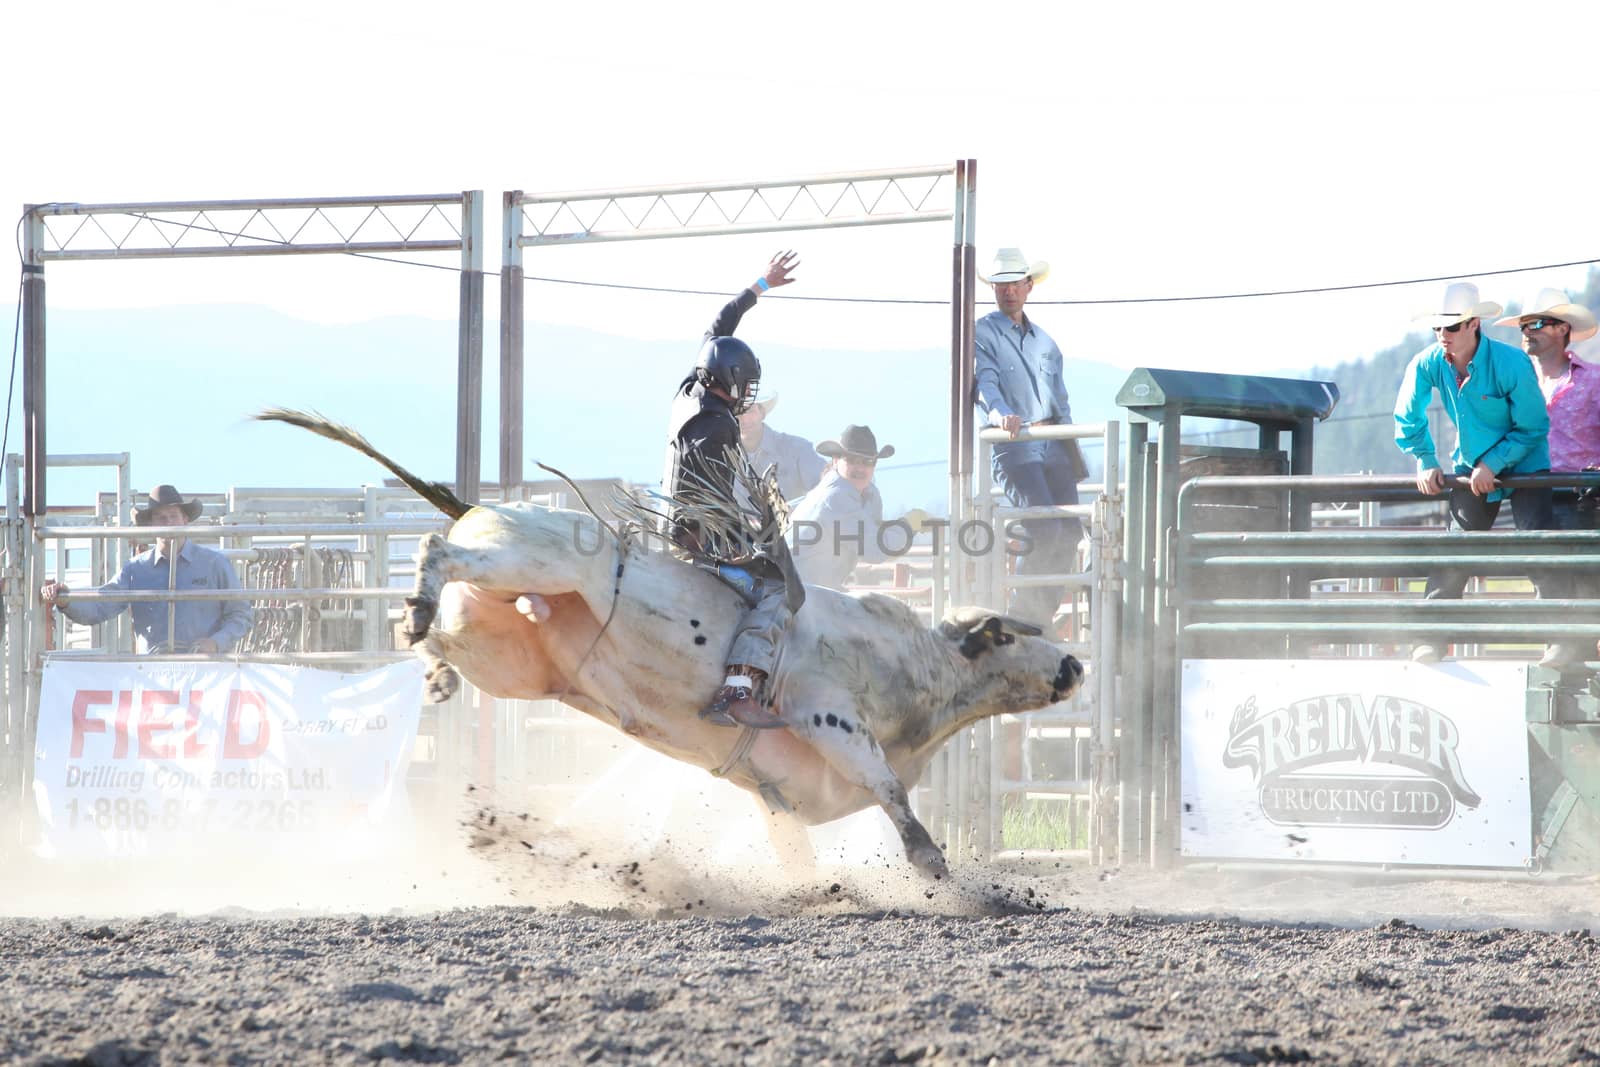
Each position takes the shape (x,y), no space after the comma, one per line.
(522,945)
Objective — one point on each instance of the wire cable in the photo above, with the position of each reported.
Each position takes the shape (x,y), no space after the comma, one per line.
(1083,303)
(1108,301)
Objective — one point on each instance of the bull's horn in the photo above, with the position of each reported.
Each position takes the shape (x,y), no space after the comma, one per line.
(1017,626)
(958,622)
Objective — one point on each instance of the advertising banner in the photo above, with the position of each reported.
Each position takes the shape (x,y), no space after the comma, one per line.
(139,759)
(1356,761)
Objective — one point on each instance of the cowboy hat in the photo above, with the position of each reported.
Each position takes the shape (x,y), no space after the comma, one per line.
(855,441)
(160,497)
(1460,304)
(1010,265)
(1553,303)
(766,400)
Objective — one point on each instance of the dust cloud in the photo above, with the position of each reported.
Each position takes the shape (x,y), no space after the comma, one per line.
(654,839)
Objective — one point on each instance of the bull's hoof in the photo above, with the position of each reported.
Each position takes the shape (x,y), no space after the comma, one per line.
(929,860)
(419,615)
(442,683)
(924,855)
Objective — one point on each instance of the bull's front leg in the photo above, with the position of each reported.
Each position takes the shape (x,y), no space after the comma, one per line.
(840,737)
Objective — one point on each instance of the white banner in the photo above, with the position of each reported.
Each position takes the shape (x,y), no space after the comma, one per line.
(141,759)
(1359,761)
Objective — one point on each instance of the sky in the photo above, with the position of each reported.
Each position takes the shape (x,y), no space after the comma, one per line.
(1142,149)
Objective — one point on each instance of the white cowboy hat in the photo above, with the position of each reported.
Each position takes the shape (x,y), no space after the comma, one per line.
(1553,303)
(1460,304)
(1010,265)
(766,400)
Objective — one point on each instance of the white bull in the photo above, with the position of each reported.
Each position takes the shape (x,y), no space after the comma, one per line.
(517,600)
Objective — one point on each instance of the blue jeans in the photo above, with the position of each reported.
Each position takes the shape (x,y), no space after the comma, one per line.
(1031,481)
(1572,512)
(1530,510)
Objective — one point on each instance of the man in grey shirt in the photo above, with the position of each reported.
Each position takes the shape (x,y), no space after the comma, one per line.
(1019,383)
(837,524)
(203,626)
(798,464)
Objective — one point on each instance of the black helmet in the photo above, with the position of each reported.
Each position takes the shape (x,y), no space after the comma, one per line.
(729,363)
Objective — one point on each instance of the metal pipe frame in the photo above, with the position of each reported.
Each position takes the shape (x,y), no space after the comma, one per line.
(145,596)
(932,170)
(13,712)
(320,658)
(207,533)
(947,783)
(189,218)
(1362,618)
(1103,582)
(1136,629)
(607,201)
(514,237)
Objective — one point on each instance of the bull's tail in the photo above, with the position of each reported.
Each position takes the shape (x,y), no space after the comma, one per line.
(434,493)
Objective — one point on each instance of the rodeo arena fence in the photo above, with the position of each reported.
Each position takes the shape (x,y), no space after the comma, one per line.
(1244,624)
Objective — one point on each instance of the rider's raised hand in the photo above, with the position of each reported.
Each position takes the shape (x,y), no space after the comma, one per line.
(778,270)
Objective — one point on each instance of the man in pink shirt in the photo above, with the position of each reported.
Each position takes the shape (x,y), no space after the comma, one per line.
(1550,324)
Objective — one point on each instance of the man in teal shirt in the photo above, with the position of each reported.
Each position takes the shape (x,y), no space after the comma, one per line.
(1491,393)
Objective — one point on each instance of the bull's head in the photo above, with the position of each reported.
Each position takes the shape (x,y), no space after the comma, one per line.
(977,631)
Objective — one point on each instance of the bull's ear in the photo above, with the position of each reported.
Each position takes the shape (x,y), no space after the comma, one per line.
(983,635)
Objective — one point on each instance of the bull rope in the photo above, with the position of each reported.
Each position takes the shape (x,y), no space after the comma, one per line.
(616,587)
(741,749)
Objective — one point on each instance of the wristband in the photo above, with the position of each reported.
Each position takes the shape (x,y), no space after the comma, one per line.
(761,285)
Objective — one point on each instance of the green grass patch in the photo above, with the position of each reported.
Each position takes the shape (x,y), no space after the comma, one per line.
(1045,823)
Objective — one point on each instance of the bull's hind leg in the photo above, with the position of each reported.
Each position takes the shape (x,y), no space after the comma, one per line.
(438,563)
(841,738)
(790,842)
(435,564)
(440,680)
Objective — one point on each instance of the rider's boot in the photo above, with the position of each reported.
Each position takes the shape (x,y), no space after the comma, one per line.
(735,704)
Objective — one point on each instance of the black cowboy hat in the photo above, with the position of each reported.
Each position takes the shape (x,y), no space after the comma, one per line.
(160,497)
(855,441)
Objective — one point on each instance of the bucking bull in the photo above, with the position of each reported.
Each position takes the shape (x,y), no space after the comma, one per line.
(530,602)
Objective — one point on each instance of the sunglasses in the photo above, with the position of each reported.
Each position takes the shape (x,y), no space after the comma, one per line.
(1450,329)
(1539,324)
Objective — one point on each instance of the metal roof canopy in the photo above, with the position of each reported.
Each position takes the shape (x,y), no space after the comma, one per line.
(1151,393)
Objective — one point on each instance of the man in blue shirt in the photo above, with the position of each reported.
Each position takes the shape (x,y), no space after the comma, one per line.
(799,465)
(201,626)
(1491,393)
(1019,382)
